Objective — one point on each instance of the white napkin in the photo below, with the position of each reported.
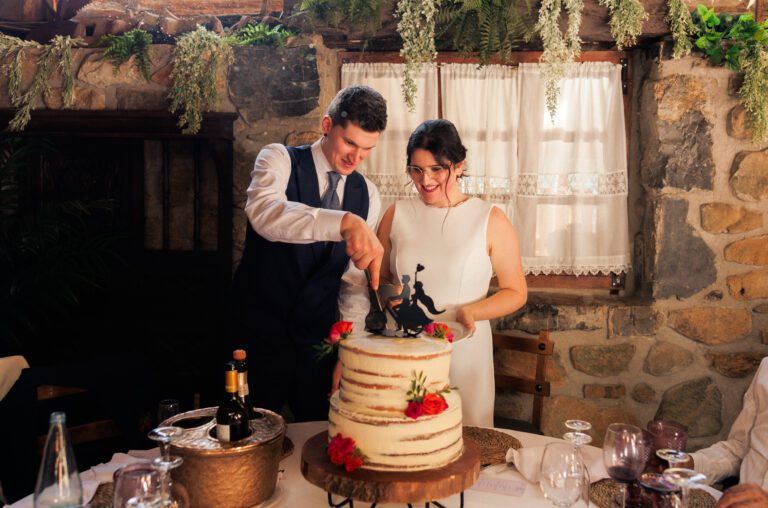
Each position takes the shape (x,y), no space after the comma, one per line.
(527,460)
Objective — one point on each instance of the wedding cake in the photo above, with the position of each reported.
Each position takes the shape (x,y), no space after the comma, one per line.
(394,402)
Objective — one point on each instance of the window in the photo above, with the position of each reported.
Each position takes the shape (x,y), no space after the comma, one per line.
(562,180)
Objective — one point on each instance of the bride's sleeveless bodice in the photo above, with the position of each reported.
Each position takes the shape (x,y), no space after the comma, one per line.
(452,245)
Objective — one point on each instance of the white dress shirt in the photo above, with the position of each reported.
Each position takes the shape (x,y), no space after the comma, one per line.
(276,219)
(745,451)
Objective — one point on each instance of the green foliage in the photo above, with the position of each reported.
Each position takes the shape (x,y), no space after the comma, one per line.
(559,50)
(54,56)
(488,27)
(681,26)
(49,259)
(627,18)
(120,48)
(364,15)
(197,58)
(741,44)
(416,27)
(257,34)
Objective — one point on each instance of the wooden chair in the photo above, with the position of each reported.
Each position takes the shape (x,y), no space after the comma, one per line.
(538,386)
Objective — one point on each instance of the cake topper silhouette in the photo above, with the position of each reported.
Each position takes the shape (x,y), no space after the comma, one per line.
(408,315)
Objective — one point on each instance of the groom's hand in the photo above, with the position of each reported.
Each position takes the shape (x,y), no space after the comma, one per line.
(363,247)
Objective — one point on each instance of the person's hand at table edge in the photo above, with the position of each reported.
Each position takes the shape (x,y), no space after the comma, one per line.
(745,495)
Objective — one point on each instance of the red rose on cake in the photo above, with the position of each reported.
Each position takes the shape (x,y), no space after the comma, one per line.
(340,330)
(343,452)
(414,409)
(439,331)
(434,404)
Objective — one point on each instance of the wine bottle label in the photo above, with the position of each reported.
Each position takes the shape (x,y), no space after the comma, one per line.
(222,433)
(242,384)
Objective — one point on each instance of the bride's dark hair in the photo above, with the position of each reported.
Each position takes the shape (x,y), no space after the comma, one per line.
(441,139)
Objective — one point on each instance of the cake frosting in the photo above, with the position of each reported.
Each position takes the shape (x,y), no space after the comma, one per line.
(369,407)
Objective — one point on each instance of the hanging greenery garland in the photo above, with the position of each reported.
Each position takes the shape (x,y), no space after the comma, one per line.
(627,17)
(59,50)
(559,51)
(681,26)
(120,48)
(197,57)
(416,27)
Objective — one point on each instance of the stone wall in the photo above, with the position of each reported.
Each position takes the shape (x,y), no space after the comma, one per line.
(688,349)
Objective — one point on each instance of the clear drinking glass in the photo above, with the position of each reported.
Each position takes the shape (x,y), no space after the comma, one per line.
(623,455)
(578,436)
(167,462)
(167,408)
(562,474)
(685,479)
(139,481)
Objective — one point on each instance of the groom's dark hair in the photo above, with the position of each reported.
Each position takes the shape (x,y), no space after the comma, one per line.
(361,105)
(441,139)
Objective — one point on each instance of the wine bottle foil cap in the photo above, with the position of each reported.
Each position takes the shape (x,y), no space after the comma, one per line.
(239,354)
(58,417)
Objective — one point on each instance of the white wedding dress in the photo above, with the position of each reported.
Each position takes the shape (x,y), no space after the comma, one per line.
(451,243)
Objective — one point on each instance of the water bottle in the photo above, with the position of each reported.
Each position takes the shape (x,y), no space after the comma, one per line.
(58,482)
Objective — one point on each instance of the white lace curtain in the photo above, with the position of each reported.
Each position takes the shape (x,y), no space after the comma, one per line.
(562,180)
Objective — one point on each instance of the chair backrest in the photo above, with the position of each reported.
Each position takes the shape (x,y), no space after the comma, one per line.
(537,385)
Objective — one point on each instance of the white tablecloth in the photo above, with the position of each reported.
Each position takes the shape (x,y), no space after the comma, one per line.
(498,486)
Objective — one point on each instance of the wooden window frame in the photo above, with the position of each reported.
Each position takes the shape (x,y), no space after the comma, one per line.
(612,282)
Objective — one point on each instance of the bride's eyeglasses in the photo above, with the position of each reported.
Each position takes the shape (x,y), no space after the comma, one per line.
(438,172)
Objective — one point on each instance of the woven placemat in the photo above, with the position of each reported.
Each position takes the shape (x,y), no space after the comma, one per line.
(492,443)
(603,492)
(102,498)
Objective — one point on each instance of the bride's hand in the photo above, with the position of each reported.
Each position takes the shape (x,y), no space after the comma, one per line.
(466,319)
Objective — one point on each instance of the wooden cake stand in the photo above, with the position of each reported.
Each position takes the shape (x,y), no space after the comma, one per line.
(384,486)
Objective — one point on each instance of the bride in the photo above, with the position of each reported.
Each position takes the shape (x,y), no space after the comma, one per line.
(461,241)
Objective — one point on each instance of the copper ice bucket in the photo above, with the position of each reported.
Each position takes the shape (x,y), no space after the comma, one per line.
(227,475)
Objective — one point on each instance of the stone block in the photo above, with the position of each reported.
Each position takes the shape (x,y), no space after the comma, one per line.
(141,99)
(558,408)
(735,365)
(748,286)
(678,94)
(725,218)
(267,82)
(735,82)
(711,325)
(534,317)
(685,264)
(696,404)
(596,391)
(643,393)
(750,251)
(665,358)
(602,361)
(737,123)
(632,321)
(749,176)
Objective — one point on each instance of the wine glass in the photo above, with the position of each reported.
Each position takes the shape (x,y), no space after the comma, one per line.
(685,479)
(661,491)
(167,408)
(579,437)
(623,455)
(167,462)
(136,481)
(561,476)
(673,457)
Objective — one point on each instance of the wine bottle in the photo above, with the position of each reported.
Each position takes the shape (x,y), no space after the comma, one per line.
(58,482)
(242,383)
(231,416)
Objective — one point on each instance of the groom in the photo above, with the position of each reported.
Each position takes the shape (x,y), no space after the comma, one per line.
(310,213)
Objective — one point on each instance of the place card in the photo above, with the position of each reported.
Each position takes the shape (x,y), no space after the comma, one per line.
(500,486)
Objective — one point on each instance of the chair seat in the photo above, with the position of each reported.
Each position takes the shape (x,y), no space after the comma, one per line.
(513,424)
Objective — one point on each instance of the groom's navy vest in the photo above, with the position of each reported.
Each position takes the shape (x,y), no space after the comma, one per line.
(284,291)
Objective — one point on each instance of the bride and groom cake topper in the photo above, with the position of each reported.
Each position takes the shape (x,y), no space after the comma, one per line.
(403,307)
